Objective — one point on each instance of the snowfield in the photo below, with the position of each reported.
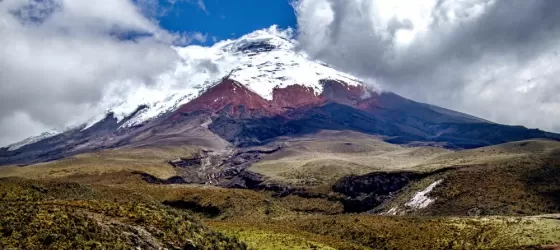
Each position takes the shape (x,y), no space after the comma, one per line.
(262,60)
(420,200)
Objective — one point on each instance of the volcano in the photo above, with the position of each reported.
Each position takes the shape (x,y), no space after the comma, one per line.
(249,91)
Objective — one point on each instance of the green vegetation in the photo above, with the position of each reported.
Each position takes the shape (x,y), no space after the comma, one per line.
(527,187)
(263,239)
(379,232)
(521,178)
(55,214)
(94,201)
(35,216)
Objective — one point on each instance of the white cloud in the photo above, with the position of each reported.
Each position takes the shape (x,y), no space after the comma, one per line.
(59,57)
(496,59)
(12,127)
(202,6)
(62,61)
(200,37)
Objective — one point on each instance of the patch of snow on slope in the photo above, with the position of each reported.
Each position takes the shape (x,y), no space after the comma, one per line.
(32,140)
(93,121)
(392,211)
(262,61)
(420,200)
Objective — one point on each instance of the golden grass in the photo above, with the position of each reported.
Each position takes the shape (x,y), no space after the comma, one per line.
(516,178)
(148,160)
(488,155)
(379,232)
(263,221)
(527,187)
(322,159)
(65,215)
(523,185)
(268,240)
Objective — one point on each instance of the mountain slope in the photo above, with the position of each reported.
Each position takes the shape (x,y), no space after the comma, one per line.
(251,90)
(262,61)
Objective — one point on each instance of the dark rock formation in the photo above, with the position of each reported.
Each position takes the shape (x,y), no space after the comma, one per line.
(368,191)
(185,162)
(154,180)
(365,192)
(246,180)
(378,183)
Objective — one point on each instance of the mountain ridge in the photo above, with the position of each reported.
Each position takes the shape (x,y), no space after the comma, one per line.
(259,87)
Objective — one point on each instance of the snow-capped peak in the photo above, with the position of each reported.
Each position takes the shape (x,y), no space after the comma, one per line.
(271,37)
(262,61)
(33,139)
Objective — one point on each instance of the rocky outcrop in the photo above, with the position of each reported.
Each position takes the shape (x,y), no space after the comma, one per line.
(185,162)
(254,181)
(365,192)
(246,180)
(155,180)
(233,99)
(378,182)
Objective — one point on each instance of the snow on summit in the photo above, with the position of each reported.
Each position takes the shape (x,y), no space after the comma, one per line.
(262,60)
(32,140)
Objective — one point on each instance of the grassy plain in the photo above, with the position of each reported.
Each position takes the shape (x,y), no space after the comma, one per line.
(499,197)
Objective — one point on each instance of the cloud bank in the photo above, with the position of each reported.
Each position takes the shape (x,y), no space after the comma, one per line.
(496,59)
(60,58)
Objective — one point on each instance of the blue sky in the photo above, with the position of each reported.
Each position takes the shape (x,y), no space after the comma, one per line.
(225,19)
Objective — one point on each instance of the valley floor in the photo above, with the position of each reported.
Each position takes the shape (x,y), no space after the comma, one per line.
(499,197)
(69,215)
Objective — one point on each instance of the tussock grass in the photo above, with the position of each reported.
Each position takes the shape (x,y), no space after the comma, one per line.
(93,200)
(267,240)
(507,152)
(379,232)
(52,215)
(527,187)
(148,160)
(132,213)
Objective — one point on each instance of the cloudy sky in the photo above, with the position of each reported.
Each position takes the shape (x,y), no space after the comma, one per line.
(496,59)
